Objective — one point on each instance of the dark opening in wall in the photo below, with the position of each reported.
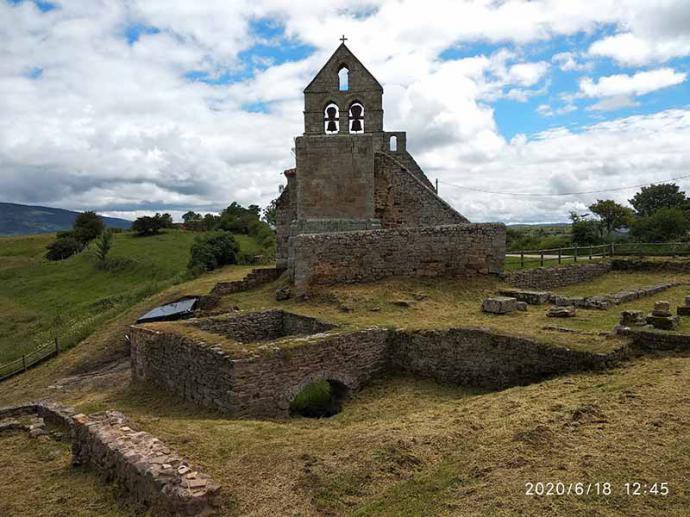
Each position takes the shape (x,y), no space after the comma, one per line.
(320,399)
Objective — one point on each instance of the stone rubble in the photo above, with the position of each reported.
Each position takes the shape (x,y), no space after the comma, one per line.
(499,305)
(561,311)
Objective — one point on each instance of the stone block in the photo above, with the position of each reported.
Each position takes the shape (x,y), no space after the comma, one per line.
(633,319)
(662,309)
(683,310)
(561,311)
(663,322)
(530,297)
(499,305)
(522,306)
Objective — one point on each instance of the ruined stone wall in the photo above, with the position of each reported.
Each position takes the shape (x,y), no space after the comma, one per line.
(553,277)
(403,200)
(139,463)
(478,358)
(335,177)
(363,256)
(255,278)
(286,212)
(260,385)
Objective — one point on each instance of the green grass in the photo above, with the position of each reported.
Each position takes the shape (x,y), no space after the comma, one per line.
(73,297)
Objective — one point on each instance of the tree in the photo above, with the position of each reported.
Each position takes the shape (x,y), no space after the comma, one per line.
(103,245)
(270,213)
(612,215)
(664,224)
(166,220)
(213,250)
(655,197)
(87,226)
(585,232)
(63,248)
(146,225)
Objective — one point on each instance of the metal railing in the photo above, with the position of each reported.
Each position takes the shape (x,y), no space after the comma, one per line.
(26,361)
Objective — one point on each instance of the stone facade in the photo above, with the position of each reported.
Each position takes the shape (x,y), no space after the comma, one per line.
(255,278)
(362,256)
(352,175)
(553,277)
(139,463)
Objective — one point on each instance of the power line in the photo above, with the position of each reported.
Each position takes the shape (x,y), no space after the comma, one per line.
(530,194)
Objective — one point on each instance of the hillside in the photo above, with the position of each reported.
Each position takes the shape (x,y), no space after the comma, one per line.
(24,219)
(73,297)
(401,446)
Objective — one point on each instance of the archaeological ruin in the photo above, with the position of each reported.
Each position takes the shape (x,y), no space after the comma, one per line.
(357,206)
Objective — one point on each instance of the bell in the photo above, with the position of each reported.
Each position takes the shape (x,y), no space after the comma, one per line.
(356,126)
(331,127)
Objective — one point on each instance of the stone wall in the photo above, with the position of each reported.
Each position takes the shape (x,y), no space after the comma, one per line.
(262,326)
(657,340)
(335,177)
(261,385)
(363,256)
(637,264)
(553,277)
(255,278)
(403,200)
(139,463)
(479,358)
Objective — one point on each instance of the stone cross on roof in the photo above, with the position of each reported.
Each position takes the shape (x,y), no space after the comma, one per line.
(343,39)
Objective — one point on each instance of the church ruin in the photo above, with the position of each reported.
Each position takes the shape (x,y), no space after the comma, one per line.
(357,206)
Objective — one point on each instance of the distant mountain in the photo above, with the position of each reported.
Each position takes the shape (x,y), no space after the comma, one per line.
(22,219)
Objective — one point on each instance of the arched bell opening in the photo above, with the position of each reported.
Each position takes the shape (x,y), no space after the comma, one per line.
(356,117)
(331,119)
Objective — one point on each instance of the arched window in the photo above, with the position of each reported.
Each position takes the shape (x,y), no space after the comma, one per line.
(356,118)
(331,119)
(393,144)
(343,79)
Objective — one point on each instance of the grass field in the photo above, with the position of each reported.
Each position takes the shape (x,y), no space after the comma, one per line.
(73,297)
(401,446)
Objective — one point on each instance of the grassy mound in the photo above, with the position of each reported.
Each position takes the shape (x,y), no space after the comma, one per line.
(71,298)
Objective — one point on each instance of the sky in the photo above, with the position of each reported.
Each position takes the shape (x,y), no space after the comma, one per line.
(131,107)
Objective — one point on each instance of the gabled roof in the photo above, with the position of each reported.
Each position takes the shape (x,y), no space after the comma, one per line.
(342,54)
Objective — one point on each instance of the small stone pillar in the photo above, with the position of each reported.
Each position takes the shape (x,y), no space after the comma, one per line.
(661,317)
(684,310)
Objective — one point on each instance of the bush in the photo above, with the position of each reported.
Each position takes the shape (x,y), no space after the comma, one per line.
(87,226)
(63,248)
(663,225)
(213,250)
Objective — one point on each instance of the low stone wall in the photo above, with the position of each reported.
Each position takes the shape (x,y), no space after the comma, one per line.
(255,278)
(139,463)
(262,326)
(609,300)
(553,277)
(656,340)
(263,384)
(636,264)
(479,358)
(362,256)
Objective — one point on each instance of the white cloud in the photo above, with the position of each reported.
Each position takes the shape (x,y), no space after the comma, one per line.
(614,103)
(633,50)
(118,128)
(567,62)
(638,84)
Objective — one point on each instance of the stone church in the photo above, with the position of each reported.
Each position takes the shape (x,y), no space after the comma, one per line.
(355,180)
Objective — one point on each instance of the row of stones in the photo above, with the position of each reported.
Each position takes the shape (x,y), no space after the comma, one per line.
(508,304)
(138,462)
(660,318)
(255,278)
(587,302)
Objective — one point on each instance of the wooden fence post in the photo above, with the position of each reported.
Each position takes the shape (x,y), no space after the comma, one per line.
(542,257)
(522,258)
(575,253)
(590,252)
(559,255)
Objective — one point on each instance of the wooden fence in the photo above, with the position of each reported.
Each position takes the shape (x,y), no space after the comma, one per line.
(26,361)
(554,256)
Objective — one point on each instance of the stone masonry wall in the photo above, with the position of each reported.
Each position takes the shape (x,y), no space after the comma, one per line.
(553,277)
(402,200)
(139,463)
(478,358)
(261,385)
(362,256)
(264,384)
